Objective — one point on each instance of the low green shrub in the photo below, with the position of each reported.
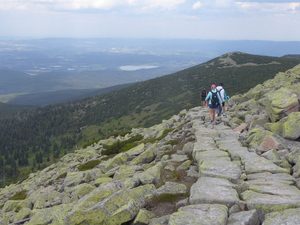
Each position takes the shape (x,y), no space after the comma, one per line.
(19,196)
(122,146)
(88,165)
(119,133)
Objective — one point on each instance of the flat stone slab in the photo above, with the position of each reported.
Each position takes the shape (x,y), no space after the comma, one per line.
(200,215)
(204,144)
(244,218)
(201,156)
(289,216)
(234,148)
(270,176)
(208,190)
(269,202)
(274,187)
(258,164)
(272,193)
(220,168)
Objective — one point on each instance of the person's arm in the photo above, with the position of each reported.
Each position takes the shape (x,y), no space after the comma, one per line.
(225,96)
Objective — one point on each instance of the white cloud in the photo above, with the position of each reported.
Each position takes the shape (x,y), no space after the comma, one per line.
(151,18)
(165,4)
(223,3)
(197,5)
(269,7)
(87,4)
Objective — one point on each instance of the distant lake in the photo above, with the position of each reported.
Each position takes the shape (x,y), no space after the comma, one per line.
(131,68)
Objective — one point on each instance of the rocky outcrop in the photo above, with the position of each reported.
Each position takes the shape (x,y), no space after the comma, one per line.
(245,169)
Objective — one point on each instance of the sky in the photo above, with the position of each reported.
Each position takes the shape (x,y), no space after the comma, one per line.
(275,20)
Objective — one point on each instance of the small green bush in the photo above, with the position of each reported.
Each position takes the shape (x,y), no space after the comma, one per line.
(19,196)
(170,197)
(173,142)
(165,133)
(62,176)
(122,146)
(88,165)
(119,133)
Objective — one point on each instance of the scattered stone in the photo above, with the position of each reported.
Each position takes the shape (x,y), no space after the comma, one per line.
(200,214)
(245,217)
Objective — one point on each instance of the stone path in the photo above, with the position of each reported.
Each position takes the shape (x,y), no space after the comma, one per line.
(235,186)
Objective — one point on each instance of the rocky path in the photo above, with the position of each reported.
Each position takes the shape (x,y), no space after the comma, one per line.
(204,173)
(236,186)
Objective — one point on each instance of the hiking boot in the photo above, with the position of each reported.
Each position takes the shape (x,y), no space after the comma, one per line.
(219,114)
(212,122)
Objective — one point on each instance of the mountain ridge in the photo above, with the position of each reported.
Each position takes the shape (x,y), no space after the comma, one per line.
(244,169)
(49,132)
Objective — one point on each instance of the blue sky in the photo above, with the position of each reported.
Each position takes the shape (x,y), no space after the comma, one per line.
(196,19)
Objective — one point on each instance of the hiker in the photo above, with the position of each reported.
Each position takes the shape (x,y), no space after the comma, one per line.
(214,101)
(220,89)
(203,96)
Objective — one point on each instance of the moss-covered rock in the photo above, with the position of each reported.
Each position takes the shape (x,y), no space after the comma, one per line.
(143,217)
(151,175)
(291,128)
(10,205)
(55,215)
(76,178)
(117,160)
(22,214)
(172,188)
(289,216)
(267,203)
(147,156)
(116,208)
(81,190)
(256,137)
(200,214)
(281,103)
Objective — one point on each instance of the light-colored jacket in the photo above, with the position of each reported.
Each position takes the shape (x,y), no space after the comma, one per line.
(221,90)
(209,96)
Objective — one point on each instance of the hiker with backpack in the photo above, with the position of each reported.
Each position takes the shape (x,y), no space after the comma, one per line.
(203,96)
(214,101)
(222,93)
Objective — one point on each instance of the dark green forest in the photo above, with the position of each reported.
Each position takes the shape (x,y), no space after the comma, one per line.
(32,139)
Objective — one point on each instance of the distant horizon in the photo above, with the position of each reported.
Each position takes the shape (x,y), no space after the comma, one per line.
(274,20)
(140,38)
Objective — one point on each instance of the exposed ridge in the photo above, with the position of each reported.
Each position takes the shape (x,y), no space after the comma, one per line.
(244,169)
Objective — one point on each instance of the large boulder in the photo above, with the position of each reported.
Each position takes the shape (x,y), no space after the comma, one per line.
(281,103)
(289,216)
(120,207)
(291,128)
(288,127)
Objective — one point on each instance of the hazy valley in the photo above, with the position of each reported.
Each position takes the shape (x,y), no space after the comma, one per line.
(47,71)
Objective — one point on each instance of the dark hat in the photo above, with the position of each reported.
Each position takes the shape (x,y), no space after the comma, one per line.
(221,84)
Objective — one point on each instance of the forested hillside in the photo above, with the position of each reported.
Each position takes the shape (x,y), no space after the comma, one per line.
(35,138)
(9,109)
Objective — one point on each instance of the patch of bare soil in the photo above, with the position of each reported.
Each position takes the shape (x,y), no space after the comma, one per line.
(162,209)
